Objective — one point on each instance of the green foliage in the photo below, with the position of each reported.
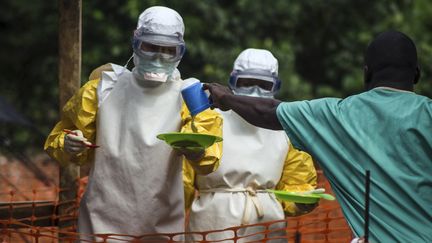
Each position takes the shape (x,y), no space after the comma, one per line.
(319,44)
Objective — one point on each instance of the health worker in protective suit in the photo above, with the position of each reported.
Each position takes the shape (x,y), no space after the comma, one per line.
(135,179)
(253,160)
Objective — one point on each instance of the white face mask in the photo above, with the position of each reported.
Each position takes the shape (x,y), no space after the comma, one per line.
(153,70)
(253,91)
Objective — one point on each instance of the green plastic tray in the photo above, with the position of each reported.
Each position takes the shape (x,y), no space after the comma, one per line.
(301,198)
(190,141)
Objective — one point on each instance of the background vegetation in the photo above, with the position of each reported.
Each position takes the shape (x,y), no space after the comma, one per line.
(319,45)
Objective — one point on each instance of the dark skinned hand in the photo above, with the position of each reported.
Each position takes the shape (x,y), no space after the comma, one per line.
(218,93)
(192,155)
(306,207)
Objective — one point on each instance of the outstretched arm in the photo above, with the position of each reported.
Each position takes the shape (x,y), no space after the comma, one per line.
(260,112)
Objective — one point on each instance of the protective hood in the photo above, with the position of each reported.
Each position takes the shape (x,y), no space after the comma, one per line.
(255,64)
(161,21)
(257,59)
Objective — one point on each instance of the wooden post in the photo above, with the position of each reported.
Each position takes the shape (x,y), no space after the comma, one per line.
(70,15)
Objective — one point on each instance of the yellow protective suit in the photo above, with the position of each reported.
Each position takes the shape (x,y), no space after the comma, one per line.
(298,175)
(80,113)
(135,179)
(254,159)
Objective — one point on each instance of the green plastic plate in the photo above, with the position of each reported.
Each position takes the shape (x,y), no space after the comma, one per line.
(190,141)
(301,198)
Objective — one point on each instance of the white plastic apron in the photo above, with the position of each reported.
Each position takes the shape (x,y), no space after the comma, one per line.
(135,185)
(252,161)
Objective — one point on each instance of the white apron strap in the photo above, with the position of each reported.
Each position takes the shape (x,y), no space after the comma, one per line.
(252,201)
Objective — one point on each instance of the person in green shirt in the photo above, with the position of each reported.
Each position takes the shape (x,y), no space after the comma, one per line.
(387,130)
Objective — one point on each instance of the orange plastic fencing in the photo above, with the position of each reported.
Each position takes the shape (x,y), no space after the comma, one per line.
(26,204)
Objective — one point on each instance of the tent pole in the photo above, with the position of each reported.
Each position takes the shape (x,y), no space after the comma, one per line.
(70,15)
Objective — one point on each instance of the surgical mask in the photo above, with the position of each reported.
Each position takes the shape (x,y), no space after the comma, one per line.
(253,91)
(153,69)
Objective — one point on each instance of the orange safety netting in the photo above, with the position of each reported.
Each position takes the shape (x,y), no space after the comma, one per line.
(29,213)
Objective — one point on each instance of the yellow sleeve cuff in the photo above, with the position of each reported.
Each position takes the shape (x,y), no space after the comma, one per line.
(206,122)
(78,113)
(299,174)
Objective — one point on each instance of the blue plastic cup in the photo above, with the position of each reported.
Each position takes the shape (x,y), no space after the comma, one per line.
(195,97)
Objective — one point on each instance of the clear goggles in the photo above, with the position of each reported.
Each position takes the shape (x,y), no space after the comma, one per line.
(254,77)
(152,46)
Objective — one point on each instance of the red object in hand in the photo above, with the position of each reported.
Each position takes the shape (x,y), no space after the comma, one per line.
(74,133)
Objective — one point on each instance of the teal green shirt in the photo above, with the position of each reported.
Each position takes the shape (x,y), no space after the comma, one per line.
(385,131)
